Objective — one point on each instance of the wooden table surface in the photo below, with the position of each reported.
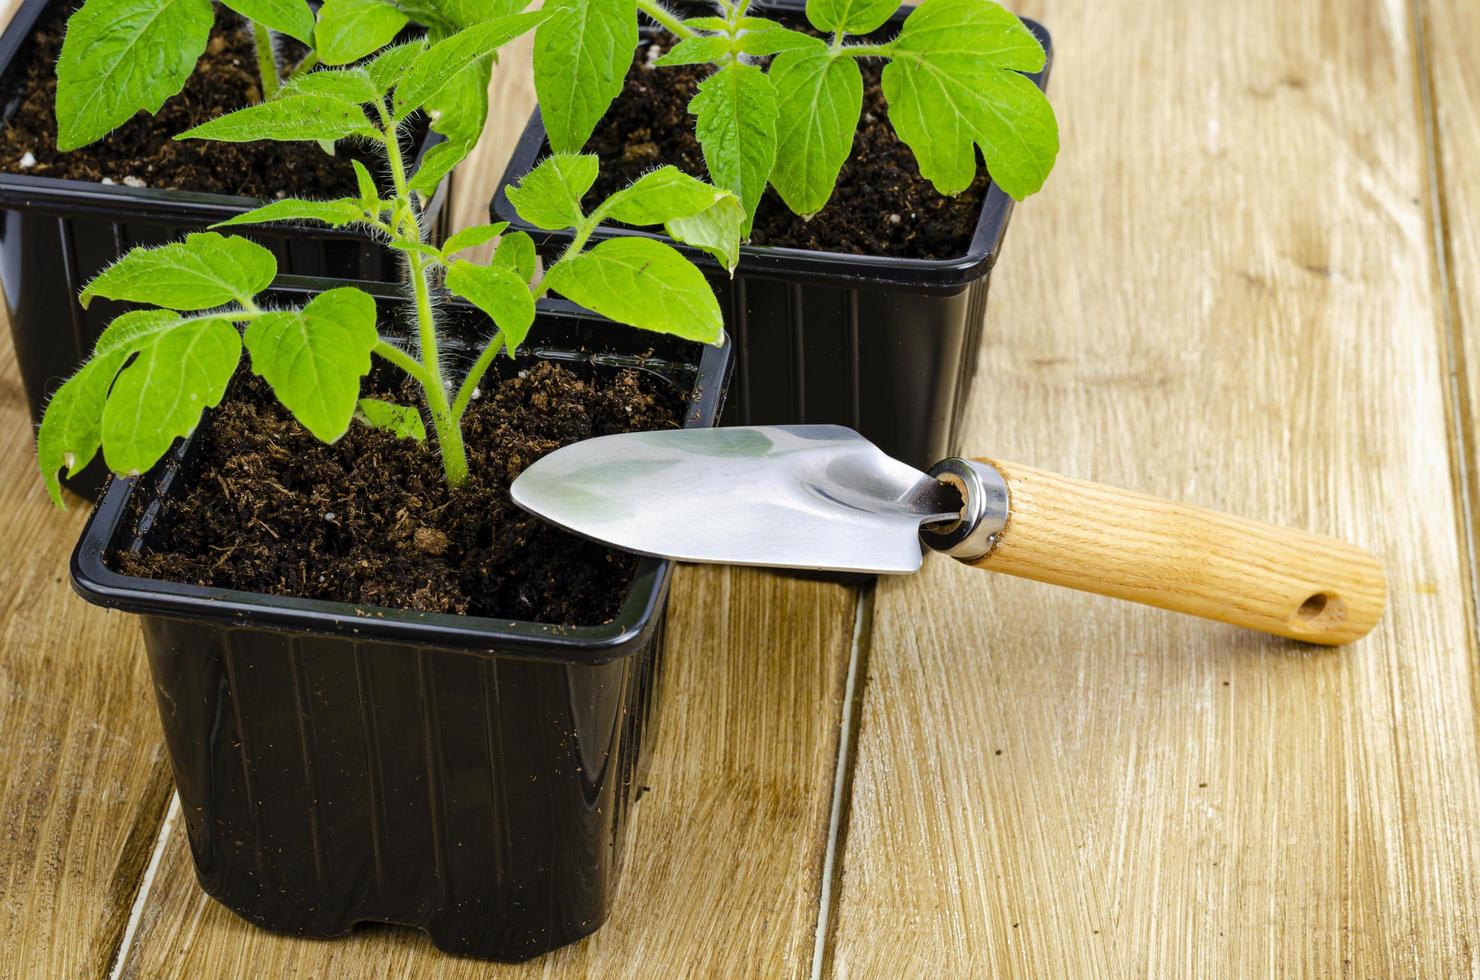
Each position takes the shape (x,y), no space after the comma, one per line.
(1253,282)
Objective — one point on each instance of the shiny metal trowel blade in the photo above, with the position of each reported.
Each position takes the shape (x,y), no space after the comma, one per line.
(799,496)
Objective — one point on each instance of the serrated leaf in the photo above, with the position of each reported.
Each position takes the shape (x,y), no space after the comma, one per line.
(820,98)
(291,17)
(401,421)
(661,195)
(581,57)
(120,56)
(736,126)
(314,358)
(286,119)
(348,30)
(336,214)
(774,39)
(440,64)
(644,283)
(387,67)
(473,237)
(498,291)
(203,271)
(516,251)
(850,16)
(716,230)
(549,196)
(436,164)
(695,51)
(71,430)
(161,395)
(954,84)
(350,84)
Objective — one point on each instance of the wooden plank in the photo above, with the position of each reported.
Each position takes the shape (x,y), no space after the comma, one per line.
(84,782)
(1224,295)
(722,873)
(1451,30)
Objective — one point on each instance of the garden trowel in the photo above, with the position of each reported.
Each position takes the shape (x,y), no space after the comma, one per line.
(823,497)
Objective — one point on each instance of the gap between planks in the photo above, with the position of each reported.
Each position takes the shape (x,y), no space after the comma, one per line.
(146,883)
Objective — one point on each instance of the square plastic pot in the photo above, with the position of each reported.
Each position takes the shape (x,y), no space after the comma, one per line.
(886,346)
(336,764)
(57,234)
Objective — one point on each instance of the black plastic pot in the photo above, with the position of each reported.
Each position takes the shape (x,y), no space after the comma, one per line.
(887,346)
(55,235)
(337,764)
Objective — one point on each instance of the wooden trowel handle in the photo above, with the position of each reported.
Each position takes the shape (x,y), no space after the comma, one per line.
(1118,543)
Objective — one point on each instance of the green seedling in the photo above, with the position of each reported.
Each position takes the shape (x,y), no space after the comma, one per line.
(155,370)
(953,82)
(123,56)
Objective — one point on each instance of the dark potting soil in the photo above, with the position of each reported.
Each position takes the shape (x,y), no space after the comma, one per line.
(142,152)
(882,206)
(370,521)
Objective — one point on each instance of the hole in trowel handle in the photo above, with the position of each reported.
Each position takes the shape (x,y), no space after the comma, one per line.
(1320,611)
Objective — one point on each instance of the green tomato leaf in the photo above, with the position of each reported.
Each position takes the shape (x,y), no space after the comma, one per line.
(549,196)
(437,163)
(772,38)
(348,30)
(291,17)
(954,85)
(350,84)
(440,64)
(71,430)
(516,251)
(314,358)
(337,214)
(135,330)
(695,51)
(716,230)
(203,271)
(644,283)
(473,237)
(401,421)
(705,24)
(388,66)
(820,98)
(736,110)
(850,16)
(369,193)
(498,291)
(661,195)
(120,56)
(160,397)
(292,117)
(581,57)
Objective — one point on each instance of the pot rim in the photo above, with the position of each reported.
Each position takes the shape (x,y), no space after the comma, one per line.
(776,261)
(634,623)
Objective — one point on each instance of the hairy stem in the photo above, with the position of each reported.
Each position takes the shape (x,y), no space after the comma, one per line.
(267,66)
(867,50)
(449,434)
(402,360)
(474,375)
(665,18)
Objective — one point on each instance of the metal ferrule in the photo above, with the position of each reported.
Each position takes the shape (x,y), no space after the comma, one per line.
(983,514)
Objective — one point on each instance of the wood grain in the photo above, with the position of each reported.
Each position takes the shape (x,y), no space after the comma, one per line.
(1451,31)
(1172,555)
(1225,295)
(84,780)
(722,874)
